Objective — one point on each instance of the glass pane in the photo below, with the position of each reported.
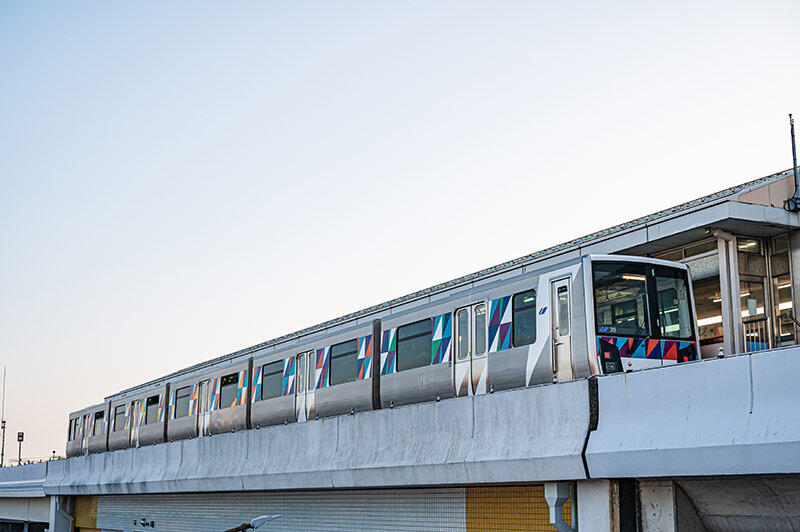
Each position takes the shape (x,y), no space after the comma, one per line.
(301,373)
(780,244)
(414,345)
(671,255)
(708,305)
(754,318)
(563,311)
(344,362)
(674,314)
(620,299)
(699,249)
(312,370)
(272,380)
(782,295)
(227,390)
(480,328)
(98,424)
(119,418)
(524,318)
(462,328)
(151,410)
(182,402)
(749,245)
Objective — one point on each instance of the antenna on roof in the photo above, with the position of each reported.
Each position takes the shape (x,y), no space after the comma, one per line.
(793,204)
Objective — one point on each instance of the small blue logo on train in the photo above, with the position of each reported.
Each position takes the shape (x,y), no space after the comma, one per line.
(542,311)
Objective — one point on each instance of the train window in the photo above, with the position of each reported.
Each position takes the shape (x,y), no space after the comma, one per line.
(97,428)
(272,380)
(620,299)
(674,316)
(312,370)
(524,318)
(563,311)
(227,390)
(151,410)
(182,402)
(344,362)
(300,369)
(414,345)
(119,418)
(462,333)
(70,430)
(479,326)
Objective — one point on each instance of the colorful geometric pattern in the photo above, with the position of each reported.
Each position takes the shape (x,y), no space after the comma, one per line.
(160,415)
(255,389)
(241,389)
(364,360)
(172,403)
(646,348)
(323,367)
(193,399)
(288,376)
(214,393)
(500,324)
(142,408)
(441,339)
(389,351)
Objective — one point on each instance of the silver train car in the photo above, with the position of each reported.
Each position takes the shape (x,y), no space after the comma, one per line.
(591,315)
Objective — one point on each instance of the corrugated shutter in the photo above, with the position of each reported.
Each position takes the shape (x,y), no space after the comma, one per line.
(86,512)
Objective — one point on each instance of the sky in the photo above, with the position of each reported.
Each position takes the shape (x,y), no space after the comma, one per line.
(179,180)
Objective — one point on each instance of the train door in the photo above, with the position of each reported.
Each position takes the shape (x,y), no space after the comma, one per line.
(561,330)
(311,384)
(300,388)
(204,410)
(470,368)
(135,407)
(86,433)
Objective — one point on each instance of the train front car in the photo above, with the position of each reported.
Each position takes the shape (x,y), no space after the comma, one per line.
(643,312)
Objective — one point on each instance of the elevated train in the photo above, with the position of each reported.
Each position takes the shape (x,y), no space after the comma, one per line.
(595,314)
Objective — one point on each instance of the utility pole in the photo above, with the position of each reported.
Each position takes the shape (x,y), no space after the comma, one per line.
(3,420)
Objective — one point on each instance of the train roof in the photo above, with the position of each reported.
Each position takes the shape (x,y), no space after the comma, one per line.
(528,259)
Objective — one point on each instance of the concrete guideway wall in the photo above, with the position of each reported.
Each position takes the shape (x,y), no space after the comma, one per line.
(531,434)
(733,416)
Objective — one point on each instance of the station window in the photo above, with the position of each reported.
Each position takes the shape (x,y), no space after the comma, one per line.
(182,402)
(151,410)
(97,428)
(227,390)
(344,362)
(119,418)
(414,345)
(524,318)
(272,380)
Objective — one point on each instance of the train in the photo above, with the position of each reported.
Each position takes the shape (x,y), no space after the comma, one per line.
(500,329)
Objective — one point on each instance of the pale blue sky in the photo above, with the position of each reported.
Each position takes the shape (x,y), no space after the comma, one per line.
(179,180)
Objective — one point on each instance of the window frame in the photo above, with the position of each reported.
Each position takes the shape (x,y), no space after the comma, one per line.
(94,422)
(264,373)
(398,357)
(178,397)
(234,381)
(514,320)
(123,406)
(349,353)
(146,421)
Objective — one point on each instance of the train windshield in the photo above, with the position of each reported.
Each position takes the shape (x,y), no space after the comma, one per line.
(642,300)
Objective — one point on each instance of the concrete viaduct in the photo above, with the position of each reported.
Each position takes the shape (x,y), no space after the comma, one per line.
(709,445)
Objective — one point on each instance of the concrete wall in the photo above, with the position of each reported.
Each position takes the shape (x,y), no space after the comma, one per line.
(531,434)
(718,417)
(25,509)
